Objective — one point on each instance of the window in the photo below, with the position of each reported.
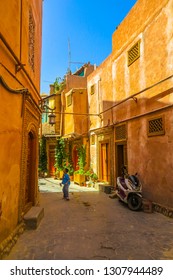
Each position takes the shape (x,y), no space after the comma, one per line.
(92,89)
(69,99)
(121,132)
(134,53)
(156,126)
(31,41)
(93,139)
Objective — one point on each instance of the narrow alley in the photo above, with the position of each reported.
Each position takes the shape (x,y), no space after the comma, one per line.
(92,226)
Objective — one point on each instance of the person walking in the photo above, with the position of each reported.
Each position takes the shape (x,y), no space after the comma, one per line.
(66,184)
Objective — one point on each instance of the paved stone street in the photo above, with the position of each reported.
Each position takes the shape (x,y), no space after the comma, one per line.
(92,226)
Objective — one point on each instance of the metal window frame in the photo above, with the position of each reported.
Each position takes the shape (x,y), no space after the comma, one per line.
(156,133)
(136,57)
(123,139)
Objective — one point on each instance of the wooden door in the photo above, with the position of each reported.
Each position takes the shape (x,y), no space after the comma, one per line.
(105,162)
(75,158)
(121,158)
(29,173)
(52,163)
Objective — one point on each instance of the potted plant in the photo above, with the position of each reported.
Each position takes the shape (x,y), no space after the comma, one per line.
(60,157)
(79,175)
(91,176)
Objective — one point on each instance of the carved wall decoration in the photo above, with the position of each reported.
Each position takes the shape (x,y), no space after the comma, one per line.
(10,241)
(31,122)
(31,39)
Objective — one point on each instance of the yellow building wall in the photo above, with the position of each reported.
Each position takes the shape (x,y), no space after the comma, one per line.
(68,119)
(80,105)
(20,114)
(76,115)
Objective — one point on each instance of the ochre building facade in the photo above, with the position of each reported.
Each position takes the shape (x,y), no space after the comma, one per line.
(51,104)
(75,109)
(20,59)
(133,95)
(70,104)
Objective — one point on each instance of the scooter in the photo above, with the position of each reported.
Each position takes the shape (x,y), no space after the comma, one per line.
(129,190)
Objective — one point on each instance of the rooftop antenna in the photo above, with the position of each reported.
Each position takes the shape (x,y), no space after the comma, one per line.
(69,58)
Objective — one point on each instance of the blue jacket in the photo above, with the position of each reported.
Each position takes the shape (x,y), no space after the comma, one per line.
(66,179)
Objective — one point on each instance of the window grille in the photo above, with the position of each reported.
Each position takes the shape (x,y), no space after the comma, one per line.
(69,99)
(92,90)
(120,132)
(156,126)
(134,53)
(31,41)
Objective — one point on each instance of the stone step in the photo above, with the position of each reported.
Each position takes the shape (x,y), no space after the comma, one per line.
(33,217)
(105,188)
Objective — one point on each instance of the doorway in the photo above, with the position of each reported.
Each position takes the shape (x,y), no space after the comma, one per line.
(75,158)
(105,162)
(51,159)
(52,163)
(121,157)
(30,172)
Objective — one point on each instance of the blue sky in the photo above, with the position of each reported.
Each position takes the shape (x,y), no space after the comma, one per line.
(82,27)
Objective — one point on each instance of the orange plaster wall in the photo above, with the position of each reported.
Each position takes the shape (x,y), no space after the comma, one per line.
(10,150)
(10,158)
(11,121)
(37,14)
(10,29)
(134,23)
(153,28)
(74,81)
(151,157)
(10,22)
(103,95)
(153,65)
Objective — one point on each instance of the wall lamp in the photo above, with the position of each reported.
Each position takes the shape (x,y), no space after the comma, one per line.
(51,116)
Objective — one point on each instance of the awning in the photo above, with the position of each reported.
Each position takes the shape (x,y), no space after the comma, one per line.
(51,135)
(72,135)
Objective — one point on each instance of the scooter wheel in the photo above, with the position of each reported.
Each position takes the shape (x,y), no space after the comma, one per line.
(134,202)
